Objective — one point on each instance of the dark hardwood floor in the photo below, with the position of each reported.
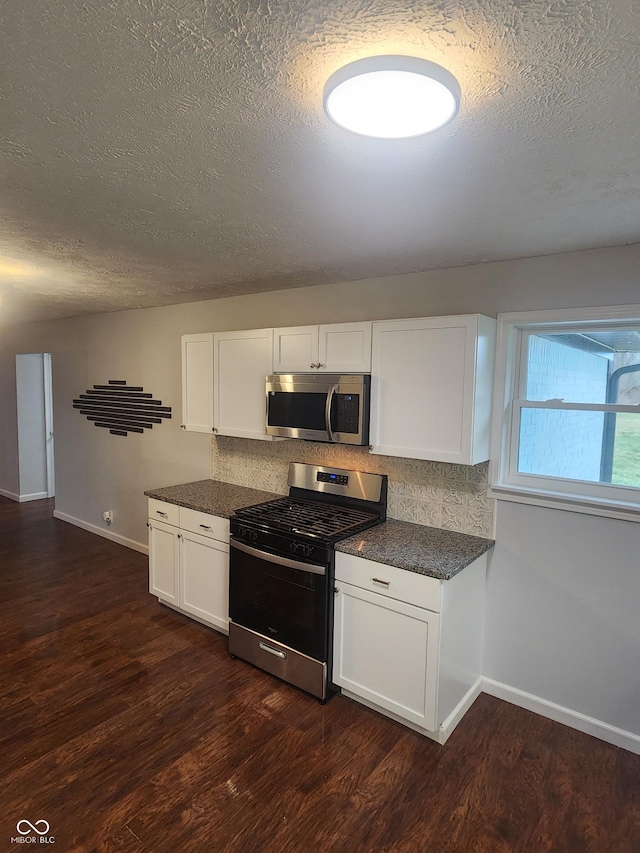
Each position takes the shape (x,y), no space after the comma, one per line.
(128,728)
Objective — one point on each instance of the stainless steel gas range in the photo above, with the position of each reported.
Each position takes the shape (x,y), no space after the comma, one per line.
(281,570)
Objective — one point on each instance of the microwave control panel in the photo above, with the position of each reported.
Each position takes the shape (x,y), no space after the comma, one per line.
(347,412)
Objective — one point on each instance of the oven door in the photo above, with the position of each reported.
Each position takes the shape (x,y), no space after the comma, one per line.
(282,599)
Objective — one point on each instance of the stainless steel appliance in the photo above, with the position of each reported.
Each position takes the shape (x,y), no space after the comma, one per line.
(323,407)
(281,570)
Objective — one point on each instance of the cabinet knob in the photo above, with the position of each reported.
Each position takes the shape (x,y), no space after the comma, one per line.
(312,365)
(214,429)
(321,365)
(179,535)
(182,426)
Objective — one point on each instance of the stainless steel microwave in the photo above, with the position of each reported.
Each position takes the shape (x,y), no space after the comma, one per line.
(319,407)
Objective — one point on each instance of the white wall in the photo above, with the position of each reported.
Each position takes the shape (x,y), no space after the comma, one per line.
(562,611)
(562,587)
(30,402)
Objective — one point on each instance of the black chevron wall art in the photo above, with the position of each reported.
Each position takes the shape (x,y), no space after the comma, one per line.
(121,408)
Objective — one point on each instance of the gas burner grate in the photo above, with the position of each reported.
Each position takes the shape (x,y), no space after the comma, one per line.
(322,520)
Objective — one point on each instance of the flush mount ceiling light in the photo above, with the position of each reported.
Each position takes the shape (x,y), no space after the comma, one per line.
(391,97)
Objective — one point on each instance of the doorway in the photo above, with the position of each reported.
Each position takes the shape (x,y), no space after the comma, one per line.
(34,395)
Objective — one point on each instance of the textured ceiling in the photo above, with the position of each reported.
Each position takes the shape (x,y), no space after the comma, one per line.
(156,152)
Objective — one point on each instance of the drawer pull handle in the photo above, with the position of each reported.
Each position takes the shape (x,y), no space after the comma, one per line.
(163,514)
(272,651)
(384,583)
(205,526)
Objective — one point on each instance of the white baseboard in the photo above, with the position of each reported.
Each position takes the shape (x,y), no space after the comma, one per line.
(34,496)
(573,719)
(11,495)
(442,734)
(460,710)
(106,534)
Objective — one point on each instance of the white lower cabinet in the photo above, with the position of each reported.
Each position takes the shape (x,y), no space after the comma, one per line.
(204,579)
(189,563)
(386,651)
(164,560)
(407,645)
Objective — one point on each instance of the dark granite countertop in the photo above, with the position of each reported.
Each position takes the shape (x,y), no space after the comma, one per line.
(211,496)
(425,550)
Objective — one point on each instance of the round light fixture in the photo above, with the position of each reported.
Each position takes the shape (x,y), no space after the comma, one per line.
(391,97)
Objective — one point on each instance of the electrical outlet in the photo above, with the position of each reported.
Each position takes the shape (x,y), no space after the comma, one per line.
(107,516)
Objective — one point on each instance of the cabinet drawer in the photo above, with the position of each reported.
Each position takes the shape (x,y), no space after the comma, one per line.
(162,511)
(206,525)
(389,581)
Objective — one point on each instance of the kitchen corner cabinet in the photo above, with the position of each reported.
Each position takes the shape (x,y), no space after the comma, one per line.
(335,348)
(197,382)
(242,360)
(189,562)
(407,645)
(441,371)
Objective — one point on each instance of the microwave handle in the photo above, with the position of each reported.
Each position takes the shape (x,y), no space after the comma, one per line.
(327,412)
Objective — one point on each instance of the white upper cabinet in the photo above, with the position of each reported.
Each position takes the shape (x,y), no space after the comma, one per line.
(431,388)
(345,348)
(335,348)
(242,362)
(197,382)
(295,349)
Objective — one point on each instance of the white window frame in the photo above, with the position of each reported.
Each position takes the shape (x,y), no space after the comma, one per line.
(509,392)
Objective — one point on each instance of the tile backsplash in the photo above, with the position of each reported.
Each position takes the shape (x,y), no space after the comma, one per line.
(437,494)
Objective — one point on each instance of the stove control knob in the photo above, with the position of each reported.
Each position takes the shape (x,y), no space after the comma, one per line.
(306,550)
(247,533)
(293,546)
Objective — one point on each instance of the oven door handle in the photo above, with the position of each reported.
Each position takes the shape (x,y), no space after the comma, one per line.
(327,412)
(280,561)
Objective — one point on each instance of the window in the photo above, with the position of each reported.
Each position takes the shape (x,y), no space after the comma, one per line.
(567,425)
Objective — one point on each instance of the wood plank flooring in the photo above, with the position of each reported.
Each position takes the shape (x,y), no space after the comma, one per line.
(128,728)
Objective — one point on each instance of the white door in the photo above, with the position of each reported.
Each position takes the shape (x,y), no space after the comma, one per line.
(345,348)
(48,424)
(425,367)
(386,652)
(242,362)
(295,349)
(164,561)
(197,382)
(204,579)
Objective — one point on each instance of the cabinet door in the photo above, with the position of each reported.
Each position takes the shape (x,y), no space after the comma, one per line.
(386,652)
(295,350)
(163,561)
(204,579)
(197,382)
(425,368)
(242,361)
(345,348)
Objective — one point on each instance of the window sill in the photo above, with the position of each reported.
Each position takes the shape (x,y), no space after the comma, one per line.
(567,503)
